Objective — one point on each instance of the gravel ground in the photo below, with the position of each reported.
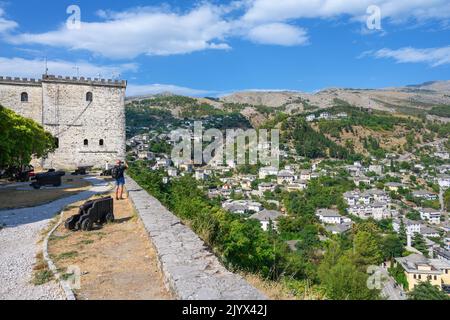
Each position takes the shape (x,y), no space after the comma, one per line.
(18,246)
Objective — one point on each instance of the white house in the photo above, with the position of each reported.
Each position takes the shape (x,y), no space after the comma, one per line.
(430,215)
(265,217)
(442,154)
(378,169)
(351,197)
(376,210)
(172,172)
(305,175)
(200,175)
(444,180)
(162,163)
(285,177)
(411,226)
(297,186)
(330,216)
(267,171)
(263,187)
(424,194)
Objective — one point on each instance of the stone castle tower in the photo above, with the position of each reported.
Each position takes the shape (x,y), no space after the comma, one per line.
(87,116)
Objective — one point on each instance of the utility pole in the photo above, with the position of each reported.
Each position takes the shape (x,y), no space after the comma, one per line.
(46,66)
(78,71)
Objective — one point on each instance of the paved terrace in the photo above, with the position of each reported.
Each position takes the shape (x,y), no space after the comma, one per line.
(191,271)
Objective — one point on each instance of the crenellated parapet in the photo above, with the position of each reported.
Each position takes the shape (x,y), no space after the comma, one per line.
(20,81)
(85,81)
(64,80)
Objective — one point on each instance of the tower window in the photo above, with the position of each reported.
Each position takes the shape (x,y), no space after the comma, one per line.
(101,142)
(24,97)
(86,142)
(57,143)
(89,96)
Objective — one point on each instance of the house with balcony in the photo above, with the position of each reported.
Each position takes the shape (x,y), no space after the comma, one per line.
(424,194)
(430,215)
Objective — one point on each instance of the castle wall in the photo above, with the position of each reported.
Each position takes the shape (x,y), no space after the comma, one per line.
(10,97)
(60,105)
(68,116)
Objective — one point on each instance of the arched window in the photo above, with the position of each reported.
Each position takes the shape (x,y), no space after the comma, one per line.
(89,96)
(101,142)
(86,142)
(24,97)
(57,143)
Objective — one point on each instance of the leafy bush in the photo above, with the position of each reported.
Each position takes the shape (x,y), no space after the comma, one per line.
(22,139)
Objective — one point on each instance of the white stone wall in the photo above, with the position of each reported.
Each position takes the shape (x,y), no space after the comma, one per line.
(62,108)
(78,119)
(10,97)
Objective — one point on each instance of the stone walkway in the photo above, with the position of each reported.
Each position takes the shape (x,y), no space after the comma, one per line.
(21,228)
(191,271)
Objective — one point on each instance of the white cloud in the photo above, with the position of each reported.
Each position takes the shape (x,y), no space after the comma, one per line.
(396,10)
(141,90)
(166,31)
(432,56)
(140,31)
(278,34)
(6,25)
(19,67)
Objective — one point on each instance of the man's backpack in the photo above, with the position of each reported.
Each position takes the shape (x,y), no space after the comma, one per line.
(115,172)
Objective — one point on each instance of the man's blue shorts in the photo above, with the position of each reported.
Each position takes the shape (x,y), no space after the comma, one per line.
(120,181)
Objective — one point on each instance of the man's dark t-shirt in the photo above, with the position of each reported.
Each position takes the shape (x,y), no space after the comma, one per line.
(120,171)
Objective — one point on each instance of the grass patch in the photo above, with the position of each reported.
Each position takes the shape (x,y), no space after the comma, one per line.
(41,272)
(53,237)
(41,277)
(86,242)
(67,255)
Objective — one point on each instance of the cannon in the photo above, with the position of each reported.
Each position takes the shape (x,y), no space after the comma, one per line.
(50,178)
(99,211)
(81,171)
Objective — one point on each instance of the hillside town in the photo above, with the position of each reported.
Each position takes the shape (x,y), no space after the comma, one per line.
(408,198)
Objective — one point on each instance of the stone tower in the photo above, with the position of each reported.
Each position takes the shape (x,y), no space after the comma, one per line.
(87,116)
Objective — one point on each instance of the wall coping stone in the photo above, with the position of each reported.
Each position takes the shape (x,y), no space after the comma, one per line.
(191,271)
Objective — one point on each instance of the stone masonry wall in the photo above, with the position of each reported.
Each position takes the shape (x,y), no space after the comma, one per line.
(191,271)
(10,95)
(78,119)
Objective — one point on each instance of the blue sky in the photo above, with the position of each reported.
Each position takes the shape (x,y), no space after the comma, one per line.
(217,47)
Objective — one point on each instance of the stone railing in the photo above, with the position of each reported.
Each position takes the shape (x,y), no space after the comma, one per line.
(191,271)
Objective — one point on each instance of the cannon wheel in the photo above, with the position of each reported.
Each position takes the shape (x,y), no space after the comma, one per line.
(109,217)
(86,225)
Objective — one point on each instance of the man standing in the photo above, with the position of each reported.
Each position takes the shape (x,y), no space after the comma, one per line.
(118,174)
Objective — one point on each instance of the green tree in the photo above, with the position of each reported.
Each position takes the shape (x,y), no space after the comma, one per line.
(402,233)
(391,246)
(22,139)
(447,199)
(366,250)
(426,291)
(344,281)
(420,244)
